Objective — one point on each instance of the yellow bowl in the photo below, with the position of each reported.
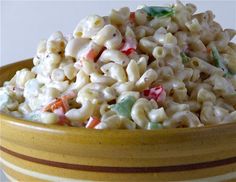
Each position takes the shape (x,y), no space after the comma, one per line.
(37,152)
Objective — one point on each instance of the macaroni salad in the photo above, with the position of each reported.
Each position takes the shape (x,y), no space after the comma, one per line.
(153,68)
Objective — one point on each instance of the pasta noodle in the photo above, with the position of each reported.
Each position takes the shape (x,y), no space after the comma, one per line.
(152,68)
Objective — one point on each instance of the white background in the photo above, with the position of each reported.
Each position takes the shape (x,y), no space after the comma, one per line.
(24,23)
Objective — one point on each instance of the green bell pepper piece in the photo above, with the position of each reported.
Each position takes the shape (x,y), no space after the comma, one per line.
(219,63)
(154,125)
(157,11)
(123,108)
(184,57)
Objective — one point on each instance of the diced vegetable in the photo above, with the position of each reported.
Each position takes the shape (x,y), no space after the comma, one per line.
(217,59)
(208,50)
(92,122)
(64,121)
(219,62)
(123,108)
(60,103)
(184,57)
(153,126)
(129,46)
(91,54)
(157,93)
(132,17)
(157,11)
(62,118)
(229,74)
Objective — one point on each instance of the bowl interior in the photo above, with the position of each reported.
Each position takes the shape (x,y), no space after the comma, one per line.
(8,71)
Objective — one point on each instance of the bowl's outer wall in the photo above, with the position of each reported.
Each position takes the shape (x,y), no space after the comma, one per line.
(50,151)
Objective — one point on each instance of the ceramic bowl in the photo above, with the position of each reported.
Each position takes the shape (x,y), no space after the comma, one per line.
(37,152)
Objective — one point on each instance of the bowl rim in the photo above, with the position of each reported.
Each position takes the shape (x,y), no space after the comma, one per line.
(58,128)
(22,123)
(5,66)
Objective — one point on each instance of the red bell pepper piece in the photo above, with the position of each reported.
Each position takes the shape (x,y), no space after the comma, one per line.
(91,54)
(92,122)
(157,93)
(129,46)
(132,17)
(62,118)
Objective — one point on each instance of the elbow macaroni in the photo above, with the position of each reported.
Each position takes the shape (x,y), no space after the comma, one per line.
(131,70)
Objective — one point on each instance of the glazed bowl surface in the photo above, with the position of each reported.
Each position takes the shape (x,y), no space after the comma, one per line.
(38,152)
